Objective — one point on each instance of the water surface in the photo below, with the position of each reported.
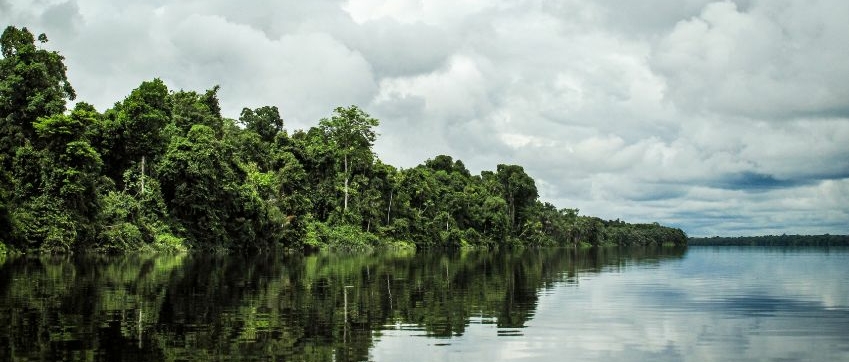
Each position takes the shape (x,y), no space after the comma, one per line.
(671,304)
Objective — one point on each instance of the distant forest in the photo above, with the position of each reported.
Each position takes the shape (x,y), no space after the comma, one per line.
(163,169)
(774,240)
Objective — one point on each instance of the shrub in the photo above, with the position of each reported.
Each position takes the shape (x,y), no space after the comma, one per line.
(122,236)
(320,235)
(169,243)
(316,234)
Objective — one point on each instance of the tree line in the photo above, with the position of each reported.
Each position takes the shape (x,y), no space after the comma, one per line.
(164,169)
(774,240)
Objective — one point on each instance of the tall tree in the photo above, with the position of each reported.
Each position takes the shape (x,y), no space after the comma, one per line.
(132,133)
(520,192)
(265,121)
(351,131)
(189,108)
(56,184)
(33,84)
(262,138)
(198,183)
(75,164)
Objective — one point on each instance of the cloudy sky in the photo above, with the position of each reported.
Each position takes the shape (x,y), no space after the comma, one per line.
(719,117)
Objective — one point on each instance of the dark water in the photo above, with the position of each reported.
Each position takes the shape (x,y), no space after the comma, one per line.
(701,304)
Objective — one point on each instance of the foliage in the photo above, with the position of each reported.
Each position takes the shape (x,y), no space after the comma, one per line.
(169,243)
(33,84)
(774,240)
(264,121)
(351,136)
(343,237)
(133,132)
(164,170)
(621,233)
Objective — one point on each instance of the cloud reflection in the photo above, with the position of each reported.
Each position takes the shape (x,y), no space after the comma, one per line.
(715,304)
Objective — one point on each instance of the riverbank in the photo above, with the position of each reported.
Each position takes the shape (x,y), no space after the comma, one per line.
(773,240)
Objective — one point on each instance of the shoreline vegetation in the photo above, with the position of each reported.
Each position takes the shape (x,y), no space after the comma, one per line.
(773,240)
(164,170)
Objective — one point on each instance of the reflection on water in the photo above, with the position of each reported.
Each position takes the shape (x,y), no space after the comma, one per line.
(539,304)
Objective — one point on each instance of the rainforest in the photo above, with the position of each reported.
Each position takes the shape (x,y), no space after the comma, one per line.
(164,170)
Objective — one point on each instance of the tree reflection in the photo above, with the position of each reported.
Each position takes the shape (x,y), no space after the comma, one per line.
(293,307)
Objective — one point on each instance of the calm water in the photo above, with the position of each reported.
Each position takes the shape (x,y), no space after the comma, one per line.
(696,304)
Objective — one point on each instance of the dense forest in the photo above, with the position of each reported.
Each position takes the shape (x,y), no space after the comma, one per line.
(774,240)
(163,169)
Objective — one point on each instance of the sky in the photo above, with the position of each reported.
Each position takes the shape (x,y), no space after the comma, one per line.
(710,305)
(719,117)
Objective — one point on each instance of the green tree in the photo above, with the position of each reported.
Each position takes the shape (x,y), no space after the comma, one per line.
(75,164)
(132,134)
(291,197)
(520,192)
(197,183)
(315,153)
(569,222)
(161,164)
(351,131)
(263,138)
(57,183)
(189,108)
(33,84)
(5,200)
(264,121)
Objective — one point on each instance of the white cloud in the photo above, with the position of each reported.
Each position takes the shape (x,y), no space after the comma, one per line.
(413,11)
(683,305)
(716,116)
(776,60)
(453,91)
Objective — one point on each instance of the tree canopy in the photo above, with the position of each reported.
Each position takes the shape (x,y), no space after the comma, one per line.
(164,169)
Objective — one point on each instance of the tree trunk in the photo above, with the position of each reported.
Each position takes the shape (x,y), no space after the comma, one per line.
(345,208)
(142,176)
(511,210)
(389,209)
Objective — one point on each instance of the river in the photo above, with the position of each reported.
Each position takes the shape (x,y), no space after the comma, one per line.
(612,304)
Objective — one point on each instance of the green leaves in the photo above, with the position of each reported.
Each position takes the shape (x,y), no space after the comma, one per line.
(142,116)
(351,134)
(196,179)
(520,192)
(350,129)
(33,84)
(164,168)
(264,121)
